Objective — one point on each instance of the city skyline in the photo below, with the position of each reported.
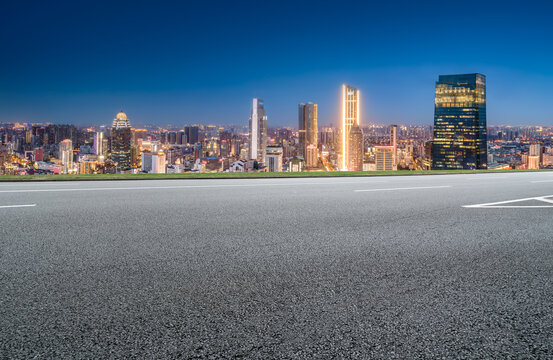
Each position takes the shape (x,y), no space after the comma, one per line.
(179,75)
(276,179)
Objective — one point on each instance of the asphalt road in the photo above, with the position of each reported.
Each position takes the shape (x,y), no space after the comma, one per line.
(381,267)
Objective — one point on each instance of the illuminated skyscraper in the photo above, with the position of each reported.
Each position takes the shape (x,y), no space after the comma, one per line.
(350,116)
(460,123)
(355,150)
(65,151)
(393,142)
(307,126)
(534,156)
(121,142)
(258,131)
(99,142)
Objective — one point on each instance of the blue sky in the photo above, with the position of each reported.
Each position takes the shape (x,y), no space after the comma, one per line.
(178,62)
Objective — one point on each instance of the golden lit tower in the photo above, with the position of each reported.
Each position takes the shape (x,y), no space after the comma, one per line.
(350,116)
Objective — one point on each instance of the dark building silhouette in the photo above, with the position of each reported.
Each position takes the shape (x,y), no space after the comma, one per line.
(307,125)
(121,137)
(192,134)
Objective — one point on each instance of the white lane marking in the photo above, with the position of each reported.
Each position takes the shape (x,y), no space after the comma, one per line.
(541,181)
(486,177)
(510,207)
(180,187)
(501,204)
(37,183)
(405,188)
(16,206)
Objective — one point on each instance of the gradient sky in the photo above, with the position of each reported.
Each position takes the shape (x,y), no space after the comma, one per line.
(179,62)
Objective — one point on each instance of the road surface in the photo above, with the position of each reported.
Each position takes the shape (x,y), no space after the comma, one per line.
(444,266)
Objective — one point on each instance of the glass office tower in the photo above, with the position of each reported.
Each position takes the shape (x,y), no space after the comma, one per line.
(307,126)
(460,139)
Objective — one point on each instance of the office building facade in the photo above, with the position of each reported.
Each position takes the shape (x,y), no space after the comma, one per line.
(153,162)
(191,135)
(460,136)
(384,158)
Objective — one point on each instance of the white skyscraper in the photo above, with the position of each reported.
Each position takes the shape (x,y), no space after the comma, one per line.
(66,155)
(258,131)
(99,142)
(350,116)
(393,143)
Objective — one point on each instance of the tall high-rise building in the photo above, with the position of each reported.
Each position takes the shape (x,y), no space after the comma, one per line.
(99,142)
(311,156)
(460,140)
(56,133)
(172,138)
(307,126)
(534,156)
(355,150)
(65,151)
(535,150)
(393,143)
(258,131)
(192,134)
(350,115)
(121,141)
(181,138)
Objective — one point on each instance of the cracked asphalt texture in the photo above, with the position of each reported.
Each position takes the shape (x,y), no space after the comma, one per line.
(277,269)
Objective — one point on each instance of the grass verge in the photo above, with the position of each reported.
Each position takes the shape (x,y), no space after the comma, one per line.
(27,178)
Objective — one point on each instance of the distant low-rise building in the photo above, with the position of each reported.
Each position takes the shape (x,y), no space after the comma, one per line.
(384,158)
(273,158)
(296,164)
(153,162)
(237,166)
